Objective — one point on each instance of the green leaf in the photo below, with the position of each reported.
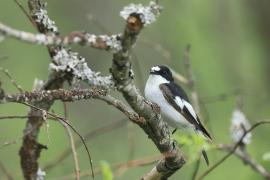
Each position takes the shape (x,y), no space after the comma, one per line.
(106,170)
(192,144)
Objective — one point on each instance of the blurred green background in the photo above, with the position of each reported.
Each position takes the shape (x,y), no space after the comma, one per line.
(230,44)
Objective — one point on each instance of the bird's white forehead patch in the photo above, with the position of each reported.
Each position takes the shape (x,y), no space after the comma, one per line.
(155,68)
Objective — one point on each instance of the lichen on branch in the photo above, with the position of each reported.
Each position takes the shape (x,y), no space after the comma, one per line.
(71,62)
(138,16)
(147,14)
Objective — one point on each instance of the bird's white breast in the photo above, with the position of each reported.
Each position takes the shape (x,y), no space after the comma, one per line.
(154,94)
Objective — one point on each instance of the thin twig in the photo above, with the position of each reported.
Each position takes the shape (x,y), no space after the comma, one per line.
(137,66)
(232,150)
(22,117)
(8,143)
(25,12)
(190,77)
(126,165)
(5,71)
(102,42)
(47,127)
(88,136)
(16,141)
(13,117)
(72,144)
(25,134)
(245,157)
(5,171)
(131,140)
(196,169)
(179,77)
(191,82)
(74,130)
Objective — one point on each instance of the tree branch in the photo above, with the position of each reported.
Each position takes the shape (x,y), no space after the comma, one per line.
(155,128)
(190,77)
(18,87)
(59,94)
(31,149)
(19,117)
(74,95)
(233,149)
(72,144)
(5,171)
(246,159)
(102,42)
(62,120)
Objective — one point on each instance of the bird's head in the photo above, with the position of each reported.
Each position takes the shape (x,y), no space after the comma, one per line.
(163,71)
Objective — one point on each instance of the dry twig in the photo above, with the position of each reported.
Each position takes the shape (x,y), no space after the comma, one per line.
(103,42)
(19,87)
(245,157)
(232,150)
(72,144)
(63,120)
(126,165)
(5,171)
(88,136)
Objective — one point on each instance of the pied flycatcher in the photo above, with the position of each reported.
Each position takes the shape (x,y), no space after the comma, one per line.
(174,105)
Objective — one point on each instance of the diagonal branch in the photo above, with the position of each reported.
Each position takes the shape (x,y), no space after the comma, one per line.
(233,149)
(122,73)
(246,159)
(191,81)
(5,171)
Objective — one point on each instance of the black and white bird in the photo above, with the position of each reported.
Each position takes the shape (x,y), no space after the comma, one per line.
(174,105)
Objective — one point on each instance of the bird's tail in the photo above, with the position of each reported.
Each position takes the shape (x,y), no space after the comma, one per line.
(205,157)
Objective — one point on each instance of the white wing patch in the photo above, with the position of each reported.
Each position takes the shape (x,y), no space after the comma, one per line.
(191,110)
(179,102)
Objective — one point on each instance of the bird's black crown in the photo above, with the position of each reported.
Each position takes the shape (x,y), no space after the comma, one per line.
(163,71)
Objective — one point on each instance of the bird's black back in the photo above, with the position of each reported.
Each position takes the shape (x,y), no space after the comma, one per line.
(177,91)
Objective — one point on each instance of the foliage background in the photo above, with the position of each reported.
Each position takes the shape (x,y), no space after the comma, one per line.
(230,51)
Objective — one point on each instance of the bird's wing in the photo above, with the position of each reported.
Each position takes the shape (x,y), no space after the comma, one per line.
(177,98)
